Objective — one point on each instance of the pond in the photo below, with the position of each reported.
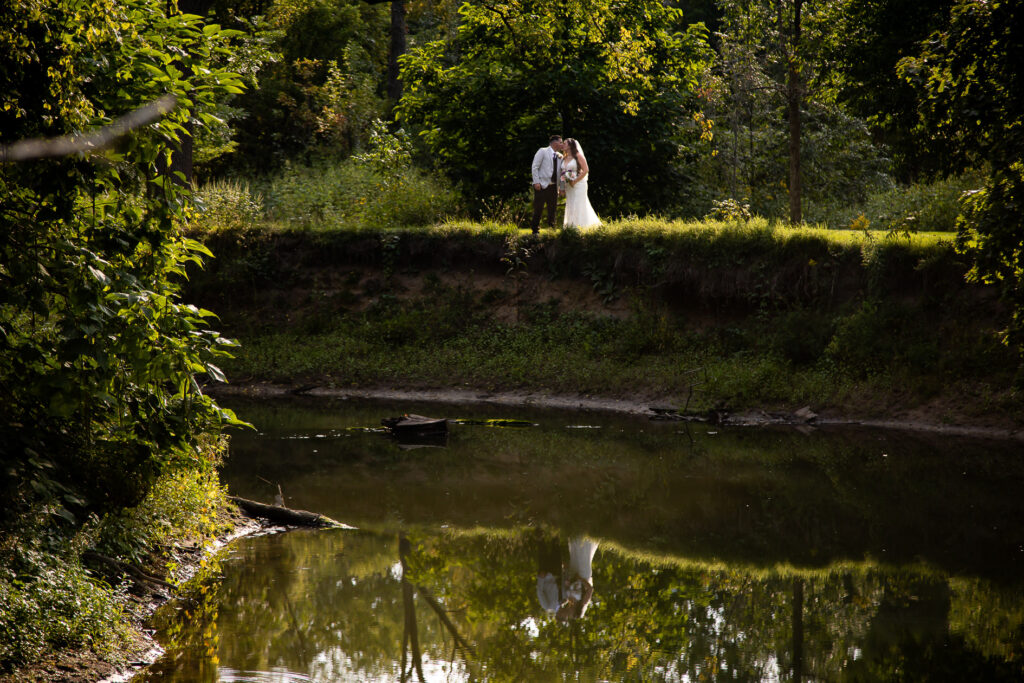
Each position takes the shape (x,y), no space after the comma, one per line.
(597,547)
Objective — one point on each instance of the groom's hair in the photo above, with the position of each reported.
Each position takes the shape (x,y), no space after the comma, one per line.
(555,138)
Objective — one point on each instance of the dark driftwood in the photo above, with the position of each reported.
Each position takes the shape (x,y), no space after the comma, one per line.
(282,515)
(415,425)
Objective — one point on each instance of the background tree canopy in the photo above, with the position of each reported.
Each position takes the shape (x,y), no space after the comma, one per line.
(621,77)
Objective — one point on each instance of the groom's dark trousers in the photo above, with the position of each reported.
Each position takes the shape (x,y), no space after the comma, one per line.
(541,198)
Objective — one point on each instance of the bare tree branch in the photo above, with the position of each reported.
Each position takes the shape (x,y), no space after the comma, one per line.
(35,148)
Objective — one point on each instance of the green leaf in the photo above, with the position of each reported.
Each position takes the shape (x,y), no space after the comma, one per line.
(99,275)
(215,372)
(63,513)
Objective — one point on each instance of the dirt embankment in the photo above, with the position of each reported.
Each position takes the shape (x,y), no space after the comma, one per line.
(711,286)
(713,280)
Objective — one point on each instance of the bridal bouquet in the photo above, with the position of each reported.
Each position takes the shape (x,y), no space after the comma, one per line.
(568,176)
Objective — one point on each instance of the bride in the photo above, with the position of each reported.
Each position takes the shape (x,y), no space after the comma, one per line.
(578,212)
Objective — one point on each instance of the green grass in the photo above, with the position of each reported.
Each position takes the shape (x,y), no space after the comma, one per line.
(579,354)
(630,229)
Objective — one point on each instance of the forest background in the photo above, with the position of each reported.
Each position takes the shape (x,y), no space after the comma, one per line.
(718,133)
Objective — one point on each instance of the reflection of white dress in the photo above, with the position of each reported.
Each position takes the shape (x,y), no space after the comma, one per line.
(578,211)
(581,556)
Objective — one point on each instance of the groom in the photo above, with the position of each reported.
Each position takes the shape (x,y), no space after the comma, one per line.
(546,168)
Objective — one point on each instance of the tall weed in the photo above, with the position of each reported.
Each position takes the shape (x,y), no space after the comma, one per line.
(354,195)
(181,506)
(53,603)
(229,205)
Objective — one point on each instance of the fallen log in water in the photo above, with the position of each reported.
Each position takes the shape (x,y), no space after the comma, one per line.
(286,516)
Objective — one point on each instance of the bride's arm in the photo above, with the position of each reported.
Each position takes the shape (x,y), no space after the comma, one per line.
(584,169)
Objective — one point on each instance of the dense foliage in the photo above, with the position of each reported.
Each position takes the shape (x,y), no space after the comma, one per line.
(319,94)
(100,356)
(740,111)
(749,104)
(874,36)
(100,360)
(973,101)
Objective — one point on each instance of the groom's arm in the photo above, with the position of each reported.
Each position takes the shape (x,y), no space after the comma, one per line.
(538,159)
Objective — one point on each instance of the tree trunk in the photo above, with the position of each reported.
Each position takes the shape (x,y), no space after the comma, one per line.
(397,49)
(794,92)
(411,631)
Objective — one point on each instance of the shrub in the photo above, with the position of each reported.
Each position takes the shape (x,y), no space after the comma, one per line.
(919,207)
(728,210)
(864,341)
(447,313)
(801,337)
(48,601)
(181,505)
(353,194)
(51,602)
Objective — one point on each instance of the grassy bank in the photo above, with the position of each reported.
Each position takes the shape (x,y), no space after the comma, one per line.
(72,598)
(756,315)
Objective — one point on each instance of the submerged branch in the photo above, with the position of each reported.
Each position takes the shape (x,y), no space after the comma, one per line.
(443,616)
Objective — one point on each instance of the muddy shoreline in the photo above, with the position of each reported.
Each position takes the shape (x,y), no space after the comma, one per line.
(188,565)
(1004,429)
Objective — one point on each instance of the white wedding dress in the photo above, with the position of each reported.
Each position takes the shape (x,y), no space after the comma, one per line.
(578,211)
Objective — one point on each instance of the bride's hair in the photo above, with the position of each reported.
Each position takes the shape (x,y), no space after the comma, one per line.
(574,148)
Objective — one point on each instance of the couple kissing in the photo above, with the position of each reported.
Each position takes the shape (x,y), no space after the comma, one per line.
(562,169)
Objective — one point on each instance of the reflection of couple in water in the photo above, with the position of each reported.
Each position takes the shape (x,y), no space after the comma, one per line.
(563,589)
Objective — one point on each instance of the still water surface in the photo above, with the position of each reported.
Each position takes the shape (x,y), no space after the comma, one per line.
(594,547)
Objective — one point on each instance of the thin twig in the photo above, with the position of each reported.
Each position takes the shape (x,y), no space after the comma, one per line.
(36,148)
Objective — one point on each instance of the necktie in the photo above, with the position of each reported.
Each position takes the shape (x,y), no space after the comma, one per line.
(554,168)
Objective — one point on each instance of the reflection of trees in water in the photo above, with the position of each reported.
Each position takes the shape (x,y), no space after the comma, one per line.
(410,636)
(753,496)
(652,618)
